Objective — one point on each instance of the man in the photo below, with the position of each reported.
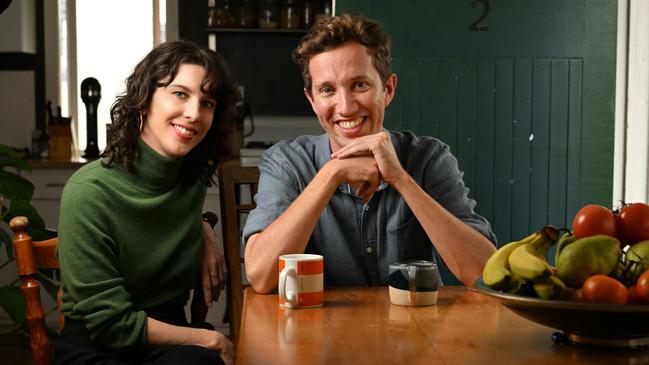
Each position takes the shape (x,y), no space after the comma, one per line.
(359,195)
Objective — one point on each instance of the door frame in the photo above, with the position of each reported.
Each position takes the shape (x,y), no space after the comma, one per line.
(631,163)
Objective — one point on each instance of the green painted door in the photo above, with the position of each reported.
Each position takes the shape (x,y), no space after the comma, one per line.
(527,106)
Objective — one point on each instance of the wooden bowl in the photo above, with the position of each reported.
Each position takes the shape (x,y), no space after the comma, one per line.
(592,323)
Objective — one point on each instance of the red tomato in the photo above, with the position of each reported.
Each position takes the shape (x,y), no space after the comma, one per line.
(604,289)
(633,295)
(594,219)
(575,295)
(633,223)
(642,287)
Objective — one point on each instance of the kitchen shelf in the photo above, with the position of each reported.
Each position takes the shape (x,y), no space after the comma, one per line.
(255,30)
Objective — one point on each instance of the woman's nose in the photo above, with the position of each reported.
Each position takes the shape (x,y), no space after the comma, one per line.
(192,110)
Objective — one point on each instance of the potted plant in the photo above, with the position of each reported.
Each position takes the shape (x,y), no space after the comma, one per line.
(15,199)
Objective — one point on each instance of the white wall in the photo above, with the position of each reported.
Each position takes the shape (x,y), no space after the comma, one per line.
(18,20)
(18,118)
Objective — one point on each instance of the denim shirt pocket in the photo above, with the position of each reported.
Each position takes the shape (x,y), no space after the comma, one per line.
(412,241)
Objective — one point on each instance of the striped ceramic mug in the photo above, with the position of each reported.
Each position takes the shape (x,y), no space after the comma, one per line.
(300,281)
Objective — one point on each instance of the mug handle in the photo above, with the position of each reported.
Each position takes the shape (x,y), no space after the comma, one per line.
(289,296)
(412,282)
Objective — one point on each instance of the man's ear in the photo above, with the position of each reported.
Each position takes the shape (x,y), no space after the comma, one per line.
(390,88)
(310,98)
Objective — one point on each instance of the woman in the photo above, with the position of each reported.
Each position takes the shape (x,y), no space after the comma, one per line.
(130,227)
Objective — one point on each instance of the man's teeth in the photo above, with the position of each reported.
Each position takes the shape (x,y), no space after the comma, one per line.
(351,124)
(184,131)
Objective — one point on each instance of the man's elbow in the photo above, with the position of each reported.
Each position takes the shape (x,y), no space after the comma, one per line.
(258,284)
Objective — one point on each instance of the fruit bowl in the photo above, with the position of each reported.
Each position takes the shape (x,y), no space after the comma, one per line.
(588,323)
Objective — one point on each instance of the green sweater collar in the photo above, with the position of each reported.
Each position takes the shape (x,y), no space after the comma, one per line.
(155,171)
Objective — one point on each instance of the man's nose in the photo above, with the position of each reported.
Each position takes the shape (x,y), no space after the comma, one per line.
(346,103)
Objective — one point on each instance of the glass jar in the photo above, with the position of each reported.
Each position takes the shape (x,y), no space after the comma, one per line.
(210,13)
(222,14)
(268,14)
(246,14)
(290,15)
(307,15)
(324,10)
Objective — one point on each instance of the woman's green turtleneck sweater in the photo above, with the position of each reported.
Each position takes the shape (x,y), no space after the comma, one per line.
(127,242)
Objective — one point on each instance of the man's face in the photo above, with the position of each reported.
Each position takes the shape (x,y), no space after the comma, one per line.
(347,94)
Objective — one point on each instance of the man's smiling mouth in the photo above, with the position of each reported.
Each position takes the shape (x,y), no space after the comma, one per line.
(351,124)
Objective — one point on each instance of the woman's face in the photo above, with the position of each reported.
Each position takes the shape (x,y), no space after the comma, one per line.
(179,115)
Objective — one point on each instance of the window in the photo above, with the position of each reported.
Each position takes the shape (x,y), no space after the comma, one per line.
(104,40)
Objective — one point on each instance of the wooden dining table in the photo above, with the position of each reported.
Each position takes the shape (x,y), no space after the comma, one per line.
(360,326)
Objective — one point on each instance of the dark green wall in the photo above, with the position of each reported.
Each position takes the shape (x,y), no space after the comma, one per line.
(527,106)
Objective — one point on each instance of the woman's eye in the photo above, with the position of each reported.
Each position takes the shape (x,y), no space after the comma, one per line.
(209,104)
(179,94)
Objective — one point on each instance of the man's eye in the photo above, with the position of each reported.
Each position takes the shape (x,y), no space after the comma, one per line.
(326,90)
(361,85)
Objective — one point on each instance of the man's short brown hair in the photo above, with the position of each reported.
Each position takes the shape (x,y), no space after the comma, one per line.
(329,33)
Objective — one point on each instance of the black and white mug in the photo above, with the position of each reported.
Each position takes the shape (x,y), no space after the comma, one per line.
(413,283)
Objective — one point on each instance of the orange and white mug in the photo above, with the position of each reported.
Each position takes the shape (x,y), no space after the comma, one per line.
(301,281)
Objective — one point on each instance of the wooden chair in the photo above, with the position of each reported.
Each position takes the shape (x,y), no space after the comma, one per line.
(231,178)
(34,255)
(31,256)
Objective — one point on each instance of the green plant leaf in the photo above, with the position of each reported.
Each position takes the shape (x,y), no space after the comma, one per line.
(24,207)
(6,239)
(15,187)
(6,151)
(18,163)
(51,288)
(13,302)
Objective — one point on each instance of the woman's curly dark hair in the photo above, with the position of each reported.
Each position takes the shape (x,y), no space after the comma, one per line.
(160,67)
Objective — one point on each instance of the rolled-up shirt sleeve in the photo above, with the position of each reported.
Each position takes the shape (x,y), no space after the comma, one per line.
(279,186)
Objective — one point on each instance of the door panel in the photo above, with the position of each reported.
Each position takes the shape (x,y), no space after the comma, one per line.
(526,106)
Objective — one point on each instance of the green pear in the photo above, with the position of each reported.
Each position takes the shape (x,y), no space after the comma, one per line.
(587,256)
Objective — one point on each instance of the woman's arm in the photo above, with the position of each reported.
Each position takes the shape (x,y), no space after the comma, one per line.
(163,334)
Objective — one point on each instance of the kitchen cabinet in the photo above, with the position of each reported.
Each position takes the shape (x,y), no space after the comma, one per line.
(260,60)
(48,186)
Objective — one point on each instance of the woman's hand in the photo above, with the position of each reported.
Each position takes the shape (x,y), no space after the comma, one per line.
(218,342)
(213,269)
(163,334)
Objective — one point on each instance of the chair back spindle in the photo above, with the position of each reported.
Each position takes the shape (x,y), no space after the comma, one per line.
(31,256)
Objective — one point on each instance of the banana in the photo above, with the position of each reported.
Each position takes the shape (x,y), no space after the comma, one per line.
(496,273)
(528,261)
(549,287)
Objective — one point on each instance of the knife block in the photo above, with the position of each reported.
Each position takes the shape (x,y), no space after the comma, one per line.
(60,146)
